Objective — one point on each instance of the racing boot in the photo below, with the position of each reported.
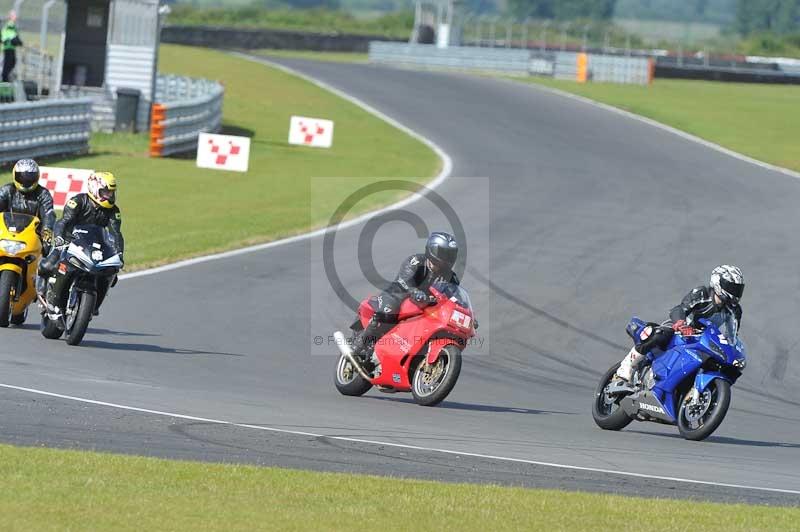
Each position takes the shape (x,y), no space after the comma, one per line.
(626,367)
(373,331)
(51,299)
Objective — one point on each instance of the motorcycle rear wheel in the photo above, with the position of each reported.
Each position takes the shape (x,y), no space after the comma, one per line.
(348,381)
(719,399)
(86,302)
(605,415)
(8,281)
(19,319)
(427,395)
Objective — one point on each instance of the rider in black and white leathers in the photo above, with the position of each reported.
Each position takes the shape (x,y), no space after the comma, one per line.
(716,303)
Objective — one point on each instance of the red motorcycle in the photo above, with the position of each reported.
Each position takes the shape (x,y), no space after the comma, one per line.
(421,354)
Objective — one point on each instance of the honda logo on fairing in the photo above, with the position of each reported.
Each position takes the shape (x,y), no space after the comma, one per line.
(651,408)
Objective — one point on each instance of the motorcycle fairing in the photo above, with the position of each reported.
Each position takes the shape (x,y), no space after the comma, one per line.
(704,378)
(436,347)
(647,403)
(398,348)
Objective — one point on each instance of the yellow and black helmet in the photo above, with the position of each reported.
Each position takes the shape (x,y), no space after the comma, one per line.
(26,175)
(102,188)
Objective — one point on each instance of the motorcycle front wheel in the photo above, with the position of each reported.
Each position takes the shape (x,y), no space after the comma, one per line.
(606,411)
(432,383)
(82,316)
(697,420)
(8,281)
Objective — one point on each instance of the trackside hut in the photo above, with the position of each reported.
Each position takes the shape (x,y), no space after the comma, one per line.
(112,44)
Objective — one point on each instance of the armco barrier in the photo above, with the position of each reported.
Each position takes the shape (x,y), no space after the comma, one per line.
(506,60)
(184,108)
(44,128)
(580,67)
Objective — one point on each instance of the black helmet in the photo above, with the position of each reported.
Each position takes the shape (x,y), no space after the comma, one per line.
(441,250)
(26,175)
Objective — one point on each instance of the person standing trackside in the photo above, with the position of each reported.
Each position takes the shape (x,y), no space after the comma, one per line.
(10,40)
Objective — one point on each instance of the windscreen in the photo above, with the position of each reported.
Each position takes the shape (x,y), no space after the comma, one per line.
(729,329)
(455,293)
(16,222)
(87,235)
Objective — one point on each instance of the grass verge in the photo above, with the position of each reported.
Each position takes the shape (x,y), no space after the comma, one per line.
(47,489)
(753,119)
(173,210)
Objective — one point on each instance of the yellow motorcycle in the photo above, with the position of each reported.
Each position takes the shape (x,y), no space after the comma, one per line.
(20,253)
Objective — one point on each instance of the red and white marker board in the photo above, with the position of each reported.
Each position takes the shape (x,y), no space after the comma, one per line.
(223,152)
(63,183)
(314,132)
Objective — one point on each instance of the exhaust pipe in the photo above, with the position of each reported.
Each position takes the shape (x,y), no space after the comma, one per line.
(347,352)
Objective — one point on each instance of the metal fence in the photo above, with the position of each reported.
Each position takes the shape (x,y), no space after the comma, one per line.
(34,65)
(454,57)
(184,108)
(45,128)
(562,65)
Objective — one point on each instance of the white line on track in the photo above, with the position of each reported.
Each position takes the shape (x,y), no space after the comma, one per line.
(399,445)
(447,168)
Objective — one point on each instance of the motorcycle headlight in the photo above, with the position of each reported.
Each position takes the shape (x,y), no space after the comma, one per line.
(11,247)
(740,363)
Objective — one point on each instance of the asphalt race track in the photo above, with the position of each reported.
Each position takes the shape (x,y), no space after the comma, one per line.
(586,218)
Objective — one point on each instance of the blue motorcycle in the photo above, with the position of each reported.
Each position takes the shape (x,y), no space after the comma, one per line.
(688,385)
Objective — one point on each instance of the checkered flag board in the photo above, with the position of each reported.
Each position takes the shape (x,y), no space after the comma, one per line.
(223,152)
(63,183)
(313,132)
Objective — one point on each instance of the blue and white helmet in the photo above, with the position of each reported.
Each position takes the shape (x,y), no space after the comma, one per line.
(728,283)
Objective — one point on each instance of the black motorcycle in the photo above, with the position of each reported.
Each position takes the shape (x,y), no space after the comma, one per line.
(86,269)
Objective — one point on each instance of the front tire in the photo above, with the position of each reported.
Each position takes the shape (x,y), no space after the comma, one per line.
(50,329)
(8,282)
(86,302)
(348,381)
(432,383)
(607,414)
(697,421)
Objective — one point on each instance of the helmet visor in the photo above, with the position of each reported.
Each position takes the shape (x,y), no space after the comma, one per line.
(105,194)
(443,258)
(26,180)
(734,289)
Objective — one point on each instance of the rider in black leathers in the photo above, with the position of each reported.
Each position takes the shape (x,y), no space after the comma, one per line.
(97,207)
(417,273)
(24,195)
(716,302)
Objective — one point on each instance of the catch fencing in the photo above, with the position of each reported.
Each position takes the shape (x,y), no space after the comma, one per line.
(44,128)
(580,67)
(184,108)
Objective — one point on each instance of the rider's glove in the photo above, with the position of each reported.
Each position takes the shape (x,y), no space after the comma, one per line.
(47,236)
(678,325)
(60,242)
(420,298)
